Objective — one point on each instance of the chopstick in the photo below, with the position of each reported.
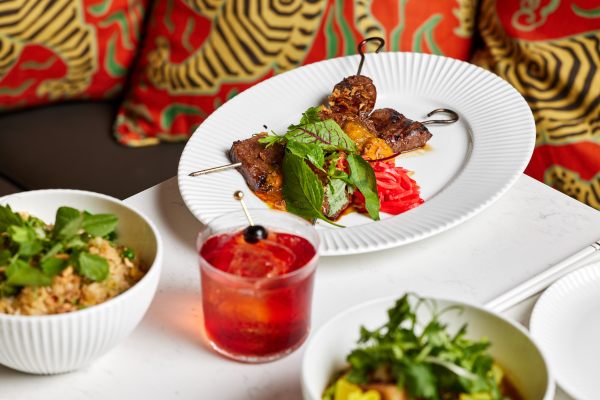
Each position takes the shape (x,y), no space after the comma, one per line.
(540,282)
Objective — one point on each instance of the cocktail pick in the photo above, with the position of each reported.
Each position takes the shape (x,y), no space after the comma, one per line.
(252,233)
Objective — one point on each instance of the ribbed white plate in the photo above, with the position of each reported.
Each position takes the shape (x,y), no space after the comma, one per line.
(566,324)
(467,166)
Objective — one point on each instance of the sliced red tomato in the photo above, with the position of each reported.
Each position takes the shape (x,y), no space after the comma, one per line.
(397,191)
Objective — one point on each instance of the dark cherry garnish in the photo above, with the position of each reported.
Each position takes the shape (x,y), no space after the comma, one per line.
(255,233)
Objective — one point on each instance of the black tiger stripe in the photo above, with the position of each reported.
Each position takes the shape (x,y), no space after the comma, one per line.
(47,25)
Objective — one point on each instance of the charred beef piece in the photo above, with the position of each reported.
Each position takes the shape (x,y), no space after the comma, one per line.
(261,165)
(400,133)
(354,95)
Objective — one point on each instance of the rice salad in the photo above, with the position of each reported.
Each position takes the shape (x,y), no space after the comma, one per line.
(71,265)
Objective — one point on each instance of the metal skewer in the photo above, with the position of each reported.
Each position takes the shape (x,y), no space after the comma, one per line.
(451,120)
(239,196)
(215,169)
(361,50)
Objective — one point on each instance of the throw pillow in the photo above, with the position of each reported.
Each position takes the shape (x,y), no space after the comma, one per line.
(200,53)
(550,51)
(66,49)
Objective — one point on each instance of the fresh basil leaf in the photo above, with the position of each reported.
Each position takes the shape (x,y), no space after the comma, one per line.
(99,224)
(336,196)
(310,151)
(53,266)
(92,266)
(326,134)
(302,192)
(20,273)
(8,217)
(67,223)
(363,177)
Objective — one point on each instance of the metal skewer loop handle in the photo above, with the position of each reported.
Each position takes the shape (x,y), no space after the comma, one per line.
(453,117)
(361,50)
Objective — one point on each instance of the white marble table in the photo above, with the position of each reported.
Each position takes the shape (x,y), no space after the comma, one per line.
(529,229)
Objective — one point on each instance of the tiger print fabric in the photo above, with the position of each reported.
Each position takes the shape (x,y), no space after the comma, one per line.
(200,53)
(65,49)
(549,50)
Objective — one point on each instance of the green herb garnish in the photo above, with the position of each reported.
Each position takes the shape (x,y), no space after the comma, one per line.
(310,176)
(425,360)
(31,253)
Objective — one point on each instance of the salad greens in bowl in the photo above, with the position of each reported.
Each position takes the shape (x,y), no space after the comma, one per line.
(78,271)
(423,348)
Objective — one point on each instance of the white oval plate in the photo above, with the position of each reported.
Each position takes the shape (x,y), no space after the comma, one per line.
(565,322)
(469,165)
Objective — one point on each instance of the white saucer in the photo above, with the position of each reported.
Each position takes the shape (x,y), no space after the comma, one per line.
(566,325)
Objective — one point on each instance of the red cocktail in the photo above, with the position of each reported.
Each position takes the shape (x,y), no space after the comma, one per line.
(257,296)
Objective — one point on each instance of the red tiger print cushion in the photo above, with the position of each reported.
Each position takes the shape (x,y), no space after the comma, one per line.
(550,51)
(54,50)
(199,53)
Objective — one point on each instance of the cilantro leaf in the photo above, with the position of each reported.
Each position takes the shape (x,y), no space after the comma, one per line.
(20,273)
(25,236)
(99,224)
(92,266)
(303,192)
(67,223)
(363,177)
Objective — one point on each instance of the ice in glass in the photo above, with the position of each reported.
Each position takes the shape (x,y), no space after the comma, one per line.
(256,295)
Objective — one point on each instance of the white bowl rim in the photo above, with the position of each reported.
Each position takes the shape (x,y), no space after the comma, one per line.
(154,268)
(550,385)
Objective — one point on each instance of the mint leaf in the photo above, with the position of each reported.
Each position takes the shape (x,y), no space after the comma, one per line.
(303,192)
(363,177)
(92,266)
(67,223)
(20,273)
(9,217)
(99,224)
(53,266)
(336,196)
(310,151)
(310,116)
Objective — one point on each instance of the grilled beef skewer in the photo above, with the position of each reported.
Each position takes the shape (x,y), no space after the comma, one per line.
(400,133)
(261,167)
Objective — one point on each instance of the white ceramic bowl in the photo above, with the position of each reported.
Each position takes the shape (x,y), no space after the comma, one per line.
(64,342)
(511,347)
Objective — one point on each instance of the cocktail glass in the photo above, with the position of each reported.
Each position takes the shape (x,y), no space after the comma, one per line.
(256,298)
